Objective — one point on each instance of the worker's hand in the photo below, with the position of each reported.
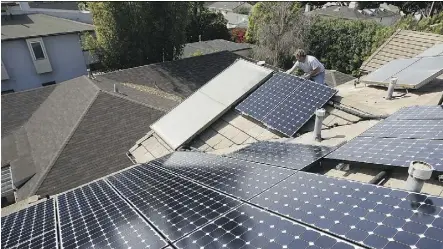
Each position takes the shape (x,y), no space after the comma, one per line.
(306,76)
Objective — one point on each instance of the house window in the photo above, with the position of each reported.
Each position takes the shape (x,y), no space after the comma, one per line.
(7,91)
(38,50)
(49,83)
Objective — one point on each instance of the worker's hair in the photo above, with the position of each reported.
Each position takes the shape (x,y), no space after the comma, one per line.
(300,52)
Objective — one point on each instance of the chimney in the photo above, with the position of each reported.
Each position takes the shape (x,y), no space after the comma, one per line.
(199,38)
(418,172)
(115,88)
(307,8)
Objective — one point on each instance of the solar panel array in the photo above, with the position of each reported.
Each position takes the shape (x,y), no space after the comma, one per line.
(286,155)
(366,214)
(410,73)
(411,134)
(195,200)
(285,102)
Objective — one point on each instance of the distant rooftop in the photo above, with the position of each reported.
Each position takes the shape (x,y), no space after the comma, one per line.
(54,5)
(212,46)
(228,6)
(37,25)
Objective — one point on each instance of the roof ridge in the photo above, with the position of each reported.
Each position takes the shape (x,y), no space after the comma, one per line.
(69,20)
(68,138)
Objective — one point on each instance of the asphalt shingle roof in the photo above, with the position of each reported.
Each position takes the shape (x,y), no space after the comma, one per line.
(79,133)
(54,5)
(18,107)
(180,77)
(37,25)
(208,47)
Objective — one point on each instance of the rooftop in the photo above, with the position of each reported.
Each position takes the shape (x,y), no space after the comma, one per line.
(212,46)
(37,25)
(71,133)
(54,5)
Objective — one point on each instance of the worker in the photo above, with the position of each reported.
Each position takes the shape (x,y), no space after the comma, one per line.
(312,67)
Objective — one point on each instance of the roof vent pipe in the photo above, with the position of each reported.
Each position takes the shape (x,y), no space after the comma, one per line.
(391,87)
(319,116)
(115,88)
(419,172)
(261,63)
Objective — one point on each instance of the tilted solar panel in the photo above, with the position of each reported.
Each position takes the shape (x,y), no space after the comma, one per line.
(391,151)
(33,227)
(248,227)
(419,113)
(436,50)
(174,205)
(369,215)
(392,128)
(287,155)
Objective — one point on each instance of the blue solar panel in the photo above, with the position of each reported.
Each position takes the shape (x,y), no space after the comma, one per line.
(419,112)
(31,227)
(94,216)
(298,108)
(370,215)
(174,205)
(269,95)
(391,151)
(248,227)
(231,176)
(287,155)
(392,128)
(286,102)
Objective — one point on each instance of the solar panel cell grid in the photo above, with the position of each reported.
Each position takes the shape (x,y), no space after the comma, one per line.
(46,240)
(292,156)
(95,216)
(231,176)
(419,113)
(426,129)
(28,224)
(391,151)
(174,205)
(248,227)
(269,95)
(299,107)
(373,216)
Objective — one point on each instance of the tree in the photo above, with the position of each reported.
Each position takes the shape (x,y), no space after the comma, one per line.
(130,34)
(242,10)
(205,24)
(278,28)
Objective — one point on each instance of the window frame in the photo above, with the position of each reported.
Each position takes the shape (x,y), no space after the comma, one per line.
(42,46)
(33,51)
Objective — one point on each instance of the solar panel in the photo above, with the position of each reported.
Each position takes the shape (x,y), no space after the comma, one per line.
(174,205)
(209,102)
(385,72)
(269,95)
(420,73)
(287,155)
(436,50)
(391,151)
(94,216)
(419,113)
(31,226)
(426,129)
(370,215)
(248,227)
(231,176)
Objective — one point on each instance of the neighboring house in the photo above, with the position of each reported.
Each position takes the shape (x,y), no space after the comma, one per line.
(380,15)
(402,44)
(224,7)
(58,137)
(38,50)
(236,20)
(208,47)
(54,5)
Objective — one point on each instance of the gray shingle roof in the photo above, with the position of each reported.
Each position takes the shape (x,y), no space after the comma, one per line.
(18,107)
(54,5)
(180,77)
(36,25)
(208,47)
(79,133)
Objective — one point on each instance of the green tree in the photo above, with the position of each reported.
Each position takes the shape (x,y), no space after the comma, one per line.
(205,24)
(130,34)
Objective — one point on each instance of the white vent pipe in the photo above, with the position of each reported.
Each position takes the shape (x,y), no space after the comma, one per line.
(419,172)
(391,87)
(319,116)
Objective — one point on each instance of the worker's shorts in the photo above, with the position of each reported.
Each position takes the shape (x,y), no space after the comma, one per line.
(319,78)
